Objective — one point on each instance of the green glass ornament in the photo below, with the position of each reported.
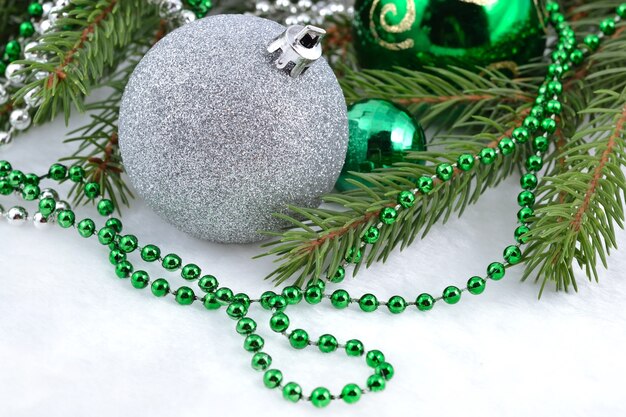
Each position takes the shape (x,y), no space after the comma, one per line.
(418,33)
(381,133)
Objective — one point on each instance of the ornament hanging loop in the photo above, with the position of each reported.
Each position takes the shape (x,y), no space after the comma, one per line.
(300,47)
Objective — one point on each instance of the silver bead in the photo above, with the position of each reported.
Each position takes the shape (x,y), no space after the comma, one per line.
(170,7)
(62,3)
(305,4)
(263,7)
(48,193)
(186,16)
(27,51)
(45,26)
(20,119)
(55,14)
(62,205)
(32,99)
(41,222)
(47,6)
(17,216)
(6,138)
(40,75)
(12,76)
(4,95)
(283,4)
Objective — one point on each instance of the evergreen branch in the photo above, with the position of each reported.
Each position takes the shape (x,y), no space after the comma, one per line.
(581,203)
(82,48)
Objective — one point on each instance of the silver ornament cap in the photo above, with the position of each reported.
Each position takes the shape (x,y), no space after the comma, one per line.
(216,139)
(300,47)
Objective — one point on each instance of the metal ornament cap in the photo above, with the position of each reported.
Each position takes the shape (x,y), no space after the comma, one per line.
(300,47)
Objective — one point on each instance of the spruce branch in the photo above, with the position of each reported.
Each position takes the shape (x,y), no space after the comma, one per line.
(81,49)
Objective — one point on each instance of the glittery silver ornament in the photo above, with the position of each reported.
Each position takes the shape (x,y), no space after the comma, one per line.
(216,138)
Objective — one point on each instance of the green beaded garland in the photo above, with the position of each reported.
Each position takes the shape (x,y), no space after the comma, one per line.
(396,304)
(488,156)
(529,182)
(128,243)
(123,269)
(253,343)
(520,233)
(47,206)
(185,296)
(354,348)
(245,326)
(261,361)
(160,287)
(30,192)
(520,135)
(272,378)
(279,322)
(66,218)
(171,262)
(292,294)
(496,271)
(191,272)
(385,370)
(376,383)
(465,162)
(236,311)
(92,190)
(444,171)
(526,199)
(224,295)
(371,236)
(388,216)
(114,224)
(265,299)
(607,26)
(368,303)
(406,199)
(105,207)
(35,10)
(313,295)
(320,397)
(351,393)
(476,285)
(150,253)
(425,302)
(525,214)
(292,392)
(513,255)
(340,299)
(86,228)
(140,279)
(373,358)
(76,173)
(425,184)
(208,283)
(57,172)
(451,295)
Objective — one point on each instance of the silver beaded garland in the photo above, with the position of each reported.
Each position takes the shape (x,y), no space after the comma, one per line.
(20,119)
(17,216)
(42,222)
(13,76)
(215,138)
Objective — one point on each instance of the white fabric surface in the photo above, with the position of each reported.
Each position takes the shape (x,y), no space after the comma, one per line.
(77,341)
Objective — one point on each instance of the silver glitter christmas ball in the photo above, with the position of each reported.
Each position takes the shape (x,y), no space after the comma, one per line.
(216,138)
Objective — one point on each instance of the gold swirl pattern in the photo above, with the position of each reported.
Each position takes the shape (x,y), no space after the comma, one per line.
(403,26)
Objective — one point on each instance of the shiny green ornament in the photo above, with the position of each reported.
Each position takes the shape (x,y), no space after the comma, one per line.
(381,133)
(467,33)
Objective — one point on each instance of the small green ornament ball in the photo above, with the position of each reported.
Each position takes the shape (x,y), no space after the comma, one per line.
(381,133)
(466,33)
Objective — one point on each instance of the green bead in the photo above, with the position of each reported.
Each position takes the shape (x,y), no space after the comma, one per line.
(451,295)
(552,7)
(521,135)
(242,298)
(592,41)
(425,184)
(116,256)
(208,283)
(272,378)
(355,255)
(371,236)
(526,199)
(320,397)
(279,322)
(292,294)
(506,146)
(465,162)
(114,224)
(368,303)
(496,271)
(244,326)
(351,393)
(261,361)
(519,234)
(313,295)
(190,272)
(6,188)
(354,348)
(30,192)
(76,173)
(224,295)
(444,171)
(476,285)
(534,163)
(299,339)
(160,287)
(66,218)
(253,343)
(425,302)
(396,304)
(5,168)
(339,275)
(150,253)
(140,279)
(406,199)
(31,179)
(123,269)
(171,262)
(265,299)
(541,100)
(554,107)
(532,124)
(385,370)
(292,392)
(376,383)
(512,255)
(57,172)
(340,299)
(488,156)
(13,50)
(327,343)
(607,26)
(105,207)
(529,182)
(381,133)
(128,243)
(319,284)
(554,70)
(92,190)
(185,296)
(236,311)
(16,177)
(35,10)
(577,57)
(26,29)
(373,358)
(621,10)
(388,215)
(86,228)
(540,144)
(548,125)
